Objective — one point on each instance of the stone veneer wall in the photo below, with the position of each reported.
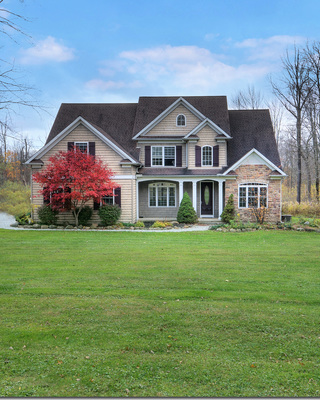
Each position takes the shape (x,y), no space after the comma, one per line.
(258,174)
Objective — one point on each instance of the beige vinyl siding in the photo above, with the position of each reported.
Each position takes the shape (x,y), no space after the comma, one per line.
(168,126)
(207,138)
(143,145)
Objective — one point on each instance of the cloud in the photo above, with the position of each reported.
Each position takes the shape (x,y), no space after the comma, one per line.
(101,85)
(45,51)
(211,36)
(269,48)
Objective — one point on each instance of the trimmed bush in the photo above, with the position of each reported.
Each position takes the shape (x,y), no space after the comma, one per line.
(161,224)
(109,214)
(228,212)
(85,215)
(47,216)
(186,213)
(139,224)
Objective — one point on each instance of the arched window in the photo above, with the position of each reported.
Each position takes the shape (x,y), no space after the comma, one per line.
(207,156)
(181,120)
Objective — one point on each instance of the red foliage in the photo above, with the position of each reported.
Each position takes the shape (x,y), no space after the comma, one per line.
(73,178)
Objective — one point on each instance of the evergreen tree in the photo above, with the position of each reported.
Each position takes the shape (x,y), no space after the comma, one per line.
(186,213)
(228,212)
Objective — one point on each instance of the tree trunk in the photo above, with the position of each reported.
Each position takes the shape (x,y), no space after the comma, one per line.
(299,154)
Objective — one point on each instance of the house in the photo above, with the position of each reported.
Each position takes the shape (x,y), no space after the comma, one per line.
(161,147)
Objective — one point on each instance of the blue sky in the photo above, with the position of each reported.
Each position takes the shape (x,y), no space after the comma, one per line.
(118,50)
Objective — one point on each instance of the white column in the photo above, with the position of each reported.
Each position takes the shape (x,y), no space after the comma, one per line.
(137,197)
(180,191)
(220,197)
(194,195)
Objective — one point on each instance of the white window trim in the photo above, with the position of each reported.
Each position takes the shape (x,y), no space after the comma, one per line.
(162,165)
(210,165)
(185,120)
(161,185)
(113,199)
(255,185)
(75,145)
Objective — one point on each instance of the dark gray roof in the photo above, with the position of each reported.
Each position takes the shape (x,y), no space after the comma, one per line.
(120,122)
(251,129)
(179,171)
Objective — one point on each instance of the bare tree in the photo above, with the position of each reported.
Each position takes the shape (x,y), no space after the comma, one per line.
(276,114)
(293,91)
(248,99)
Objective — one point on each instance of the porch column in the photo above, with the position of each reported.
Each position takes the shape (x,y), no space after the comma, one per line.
(194,195)
(180,191)
(137,199)
(220,198)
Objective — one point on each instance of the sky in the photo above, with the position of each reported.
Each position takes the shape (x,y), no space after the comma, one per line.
(113,51)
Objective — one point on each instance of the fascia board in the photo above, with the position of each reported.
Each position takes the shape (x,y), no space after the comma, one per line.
(166,112)
(265,159)
(68,129)
(212,125)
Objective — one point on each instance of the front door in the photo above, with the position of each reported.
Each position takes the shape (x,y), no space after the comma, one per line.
(206,199)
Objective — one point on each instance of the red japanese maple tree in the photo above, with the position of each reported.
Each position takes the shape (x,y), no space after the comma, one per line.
(72,179)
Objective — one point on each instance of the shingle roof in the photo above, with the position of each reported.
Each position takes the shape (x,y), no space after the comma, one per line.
(251,129)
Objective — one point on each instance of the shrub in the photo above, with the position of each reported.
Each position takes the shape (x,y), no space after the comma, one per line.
(302,209)
(47,216)
(260,213)
(139,224)
(228,212)
(161,224)
(23,218)
(109,214)
(186,213)
(15,198)
(84,215)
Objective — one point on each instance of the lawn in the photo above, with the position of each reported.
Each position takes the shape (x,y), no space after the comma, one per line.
(201,314)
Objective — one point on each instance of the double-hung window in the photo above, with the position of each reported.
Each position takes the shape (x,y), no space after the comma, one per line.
(163,156)
(162,194)
(207,156)
(82,146)
(253,195)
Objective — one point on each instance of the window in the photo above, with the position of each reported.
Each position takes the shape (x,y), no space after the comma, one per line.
(207,156)
(163,156)
(181,120)
(107,200)
(82,146)
(162,194)
(253,195)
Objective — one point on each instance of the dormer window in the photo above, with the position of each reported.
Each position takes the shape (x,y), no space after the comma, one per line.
(207,156)
(181,120)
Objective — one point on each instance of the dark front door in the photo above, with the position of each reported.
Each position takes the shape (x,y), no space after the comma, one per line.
(206,198)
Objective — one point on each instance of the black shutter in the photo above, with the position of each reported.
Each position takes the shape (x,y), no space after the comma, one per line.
(147,151)
(70,145)
(216,156)
(96,205)
(117,198)
(178,156)
(46,199)
(67,203)
(92,148)
(198,156)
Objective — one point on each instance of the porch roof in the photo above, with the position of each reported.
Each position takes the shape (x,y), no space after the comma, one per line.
(179,171)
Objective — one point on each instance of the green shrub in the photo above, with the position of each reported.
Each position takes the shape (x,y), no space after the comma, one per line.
(161,224)
(109,214)
(139,224)
(85,215)
(23,218)
(47,216)
(15,198)
(228,212)
(186,213)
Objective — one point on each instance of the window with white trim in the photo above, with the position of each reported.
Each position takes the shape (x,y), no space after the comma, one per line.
(163,156)
(253,195)
(207,156)
(82,146)
(181,120)
(162,194)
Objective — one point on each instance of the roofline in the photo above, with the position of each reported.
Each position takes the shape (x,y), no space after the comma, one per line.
(270,164)
(173,106)
(214,126)
(79,120)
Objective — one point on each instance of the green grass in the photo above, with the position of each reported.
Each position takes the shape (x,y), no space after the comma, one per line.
(159,314)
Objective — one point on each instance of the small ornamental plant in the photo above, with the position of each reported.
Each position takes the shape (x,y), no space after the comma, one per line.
(186,213)
(228,212)
(109,214)
(47,215)
(260,213)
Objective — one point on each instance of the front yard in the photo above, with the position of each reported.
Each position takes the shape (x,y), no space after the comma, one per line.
(198,314)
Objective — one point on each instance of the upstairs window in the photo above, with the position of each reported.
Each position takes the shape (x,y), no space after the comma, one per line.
(253,195)
(163,156)
(207,156)
(82,146)
(181,120)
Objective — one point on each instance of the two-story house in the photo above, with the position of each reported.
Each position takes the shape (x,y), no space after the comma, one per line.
(162,147)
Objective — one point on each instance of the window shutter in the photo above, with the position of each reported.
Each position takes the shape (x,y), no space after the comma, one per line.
(46,200)
(216,156)
(92,148)
(67,203)
(117,198)
(147,151)
(198,156)
(178,156)
(96,205)
(70,145)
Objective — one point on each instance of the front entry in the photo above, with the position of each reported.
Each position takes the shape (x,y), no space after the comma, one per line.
(206,199)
